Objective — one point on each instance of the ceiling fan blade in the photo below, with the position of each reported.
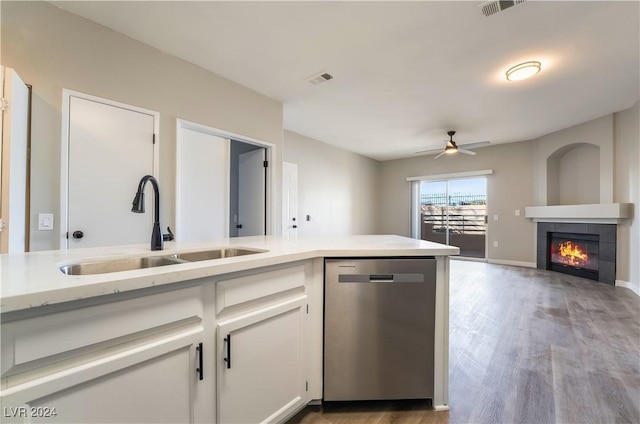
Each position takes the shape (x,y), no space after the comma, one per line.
(429,151)
(474,145)
(442,153)
(466,152)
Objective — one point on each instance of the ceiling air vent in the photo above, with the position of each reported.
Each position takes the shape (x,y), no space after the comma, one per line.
(319,78)
(492,7)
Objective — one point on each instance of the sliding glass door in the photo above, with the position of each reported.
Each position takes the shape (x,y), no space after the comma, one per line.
(454,212)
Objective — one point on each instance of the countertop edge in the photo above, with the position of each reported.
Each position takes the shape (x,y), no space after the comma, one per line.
(86,287)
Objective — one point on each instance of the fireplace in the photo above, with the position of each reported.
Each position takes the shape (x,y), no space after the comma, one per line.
(582,249)
(575,254)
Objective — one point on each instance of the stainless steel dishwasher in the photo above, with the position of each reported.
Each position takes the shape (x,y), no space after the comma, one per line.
(379,328)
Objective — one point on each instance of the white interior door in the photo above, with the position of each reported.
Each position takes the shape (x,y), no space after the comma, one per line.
(251,193)
(110,148)
(202,184)
(13,166)
(290,220)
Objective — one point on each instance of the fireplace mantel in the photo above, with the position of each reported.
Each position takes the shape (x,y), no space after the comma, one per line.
(604,213)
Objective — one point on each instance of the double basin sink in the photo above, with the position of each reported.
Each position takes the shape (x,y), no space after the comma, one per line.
(129,264)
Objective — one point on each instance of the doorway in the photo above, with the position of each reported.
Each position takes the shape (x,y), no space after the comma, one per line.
(454,212)
(248,206)
(223,184)
(14,162)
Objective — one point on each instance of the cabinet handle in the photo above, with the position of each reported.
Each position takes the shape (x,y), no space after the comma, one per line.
(227,340)
(200,369)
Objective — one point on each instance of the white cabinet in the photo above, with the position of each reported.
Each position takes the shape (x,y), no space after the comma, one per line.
(156,384)
(261,339)
(136,357)
(144,370)
(260,366)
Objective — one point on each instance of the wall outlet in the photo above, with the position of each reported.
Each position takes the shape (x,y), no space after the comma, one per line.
(495,244)
(495,217)
(517,212)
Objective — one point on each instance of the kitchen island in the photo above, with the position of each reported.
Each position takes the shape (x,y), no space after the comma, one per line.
(230,339)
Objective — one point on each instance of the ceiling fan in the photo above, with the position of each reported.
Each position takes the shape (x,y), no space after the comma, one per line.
(451,147)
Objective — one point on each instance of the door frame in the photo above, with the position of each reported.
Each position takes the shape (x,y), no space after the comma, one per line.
(270,180)
(287,229)
(64,150)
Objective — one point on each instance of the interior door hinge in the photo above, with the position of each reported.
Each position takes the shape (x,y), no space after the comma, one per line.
(154,139)
(307,308)
(265,163)
(4,104)
(306,386)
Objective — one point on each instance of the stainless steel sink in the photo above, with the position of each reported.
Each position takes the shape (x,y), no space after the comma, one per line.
(115,265)
(205,255)
(129,264)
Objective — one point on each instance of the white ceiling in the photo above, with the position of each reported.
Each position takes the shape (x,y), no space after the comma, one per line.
(404,72)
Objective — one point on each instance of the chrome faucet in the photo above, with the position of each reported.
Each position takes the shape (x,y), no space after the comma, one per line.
(138,207)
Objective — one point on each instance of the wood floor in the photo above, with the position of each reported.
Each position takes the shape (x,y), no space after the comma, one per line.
(526,346)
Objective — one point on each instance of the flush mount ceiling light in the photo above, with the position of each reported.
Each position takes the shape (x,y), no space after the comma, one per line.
(523,70)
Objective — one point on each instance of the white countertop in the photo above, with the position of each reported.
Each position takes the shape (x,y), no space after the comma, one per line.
(34,279)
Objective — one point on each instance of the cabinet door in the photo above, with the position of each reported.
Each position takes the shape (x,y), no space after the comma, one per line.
(154,382)
(261,363)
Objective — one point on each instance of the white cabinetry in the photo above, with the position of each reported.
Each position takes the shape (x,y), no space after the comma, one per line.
(133,360)
(138,356)
(262,345)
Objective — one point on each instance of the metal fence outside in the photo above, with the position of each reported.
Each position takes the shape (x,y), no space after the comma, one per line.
(455,199)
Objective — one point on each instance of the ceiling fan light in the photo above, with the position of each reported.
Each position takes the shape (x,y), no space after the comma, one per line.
(450,149)
(523,70)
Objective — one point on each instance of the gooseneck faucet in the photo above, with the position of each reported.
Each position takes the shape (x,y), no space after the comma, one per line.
(138,207)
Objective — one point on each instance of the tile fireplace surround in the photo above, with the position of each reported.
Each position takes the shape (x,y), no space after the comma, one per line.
(606,245)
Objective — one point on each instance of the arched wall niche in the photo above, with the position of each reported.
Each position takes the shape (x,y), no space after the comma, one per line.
(573,175)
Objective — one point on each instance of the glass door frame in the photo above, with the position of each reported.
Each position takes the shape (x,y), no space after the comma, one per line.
(416,213)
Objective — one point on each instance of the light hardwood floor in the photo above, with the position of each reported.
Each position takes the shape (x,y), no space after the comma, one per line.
(526,346)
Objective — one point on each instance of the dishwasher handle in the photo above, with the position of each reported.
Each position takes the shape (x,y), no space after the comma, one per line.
(381,278)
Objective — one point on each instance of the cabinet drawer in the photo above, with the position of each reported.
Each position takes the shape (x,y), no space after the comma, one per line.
(45,339)
(254,286)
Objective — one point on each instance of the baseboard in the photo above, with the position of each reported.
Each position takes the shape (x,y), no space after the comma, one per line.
(631,286)
(465,258)
(513,263)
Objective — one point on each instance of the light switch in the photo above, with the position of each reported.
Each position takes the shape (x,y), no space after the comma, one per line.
(495,244)
(45,221)
(495,217)
(517,212)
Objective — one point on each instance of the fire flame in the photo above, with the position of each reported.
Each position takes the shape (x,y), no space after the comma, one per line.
(571,254)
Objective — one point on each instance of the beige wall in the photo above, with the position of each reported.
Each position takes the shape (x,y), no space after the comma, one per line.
(597,132)
(516,183)
(627,190)
(338,189)
(52,50)
(509,188)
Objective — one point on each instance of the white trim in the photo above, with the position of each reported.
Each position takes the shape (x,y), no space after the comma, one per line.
(468,259)
(605,213)
(416,227)
(513,263)
(64,151)
(441,336)
(628,285)
(270,154)
(452,176)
